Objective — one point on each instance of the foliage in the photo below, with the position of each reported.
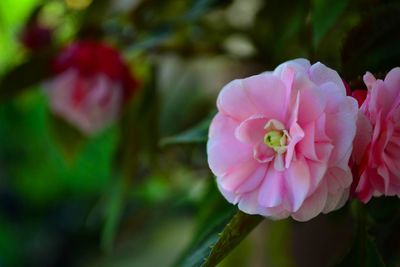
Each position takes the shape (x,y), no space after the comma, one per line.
(140,192)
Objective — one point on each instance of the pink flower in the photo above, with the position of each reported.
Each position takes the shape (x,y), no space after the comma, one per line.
(377,143)
(281,141)
(90,85)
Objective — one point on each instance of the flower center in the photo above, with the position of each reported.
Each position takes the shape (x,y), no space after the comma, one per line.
(275,139)
(276,136)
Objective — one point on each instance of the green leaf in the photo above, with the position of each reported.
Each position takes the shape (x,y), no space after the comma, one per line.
(13,15)
(373,44)
(113,211)
(325,14)
(383,209)
(93,16)
(280,33)
(234,232)
(363,254)
(197,134)
(226,231)
(68,139)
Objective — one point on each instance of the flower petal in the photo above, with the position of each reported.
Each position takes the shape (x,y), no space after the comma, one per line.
(311,101)
(342,129)
(300,65)
(336,201)
(268,95)
(251,130)
(313,205)
(271,189)
(233,101)
(223,149)
(298,182)
(320,74)
(239,174)
(253,181)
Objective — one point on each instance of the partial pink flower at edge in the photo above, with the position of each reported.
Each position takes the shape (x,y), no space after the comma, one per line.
(281,141)
(377,143)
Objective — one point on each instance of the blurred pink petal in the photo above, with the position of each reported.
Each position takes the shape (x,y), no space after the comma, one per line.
(90,85)
(98,108)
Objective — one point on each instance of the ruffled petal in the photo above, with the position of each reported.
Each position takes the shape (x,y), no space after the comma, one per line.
(240,173)
(312,102)
(336,200)
(253,181)
(233,101)
(341,129)
(364,189)
(223,149)
(268,94)
(251,130)
(300,65)
(313,205)
(320,74)
(298,182)
(271,190)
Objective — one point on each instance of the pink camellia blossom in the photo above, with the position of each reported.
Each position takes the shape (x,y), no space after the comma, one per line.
(281,141)
(377,143)
(90,85)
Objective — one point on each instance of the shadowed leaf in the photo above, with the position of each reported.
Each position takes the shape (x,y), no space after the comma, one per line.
(325,14)
(226,230)
(197,134)
(363,254)
(69,139)
(234,232)
(373,44)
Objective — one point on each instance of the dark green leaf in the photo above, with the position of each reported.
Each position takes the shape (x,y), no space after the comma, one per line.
(363,254)
(281,33)
(112,216)
(383,209)
(224,233)
(325,13)
(69,139)
(373,44)
(215,212)
(234,232)
(93,16)
(197,134)
(139,130)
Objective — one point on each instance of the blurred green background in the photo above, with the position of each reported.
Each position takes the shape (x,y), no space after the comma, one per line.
(140,192)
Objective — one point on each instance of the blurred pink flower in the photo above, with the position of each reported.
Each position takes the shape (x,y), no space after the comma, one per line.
(281,141)
(377,144)
(91,83)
